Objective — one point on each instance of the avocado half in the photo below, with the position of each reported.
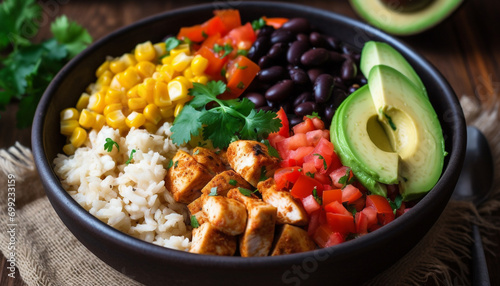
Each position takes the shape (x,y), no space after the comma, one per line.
(397,21)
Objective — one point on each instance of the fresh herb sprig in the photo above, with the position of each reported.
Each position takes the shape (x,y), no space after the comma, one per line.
(108,146)
(29,67)
(226,121)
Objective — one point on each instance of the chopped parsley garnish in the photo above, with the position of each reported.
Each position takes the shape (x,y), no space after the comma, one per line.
(225,121)
(258,24)
(203,34)
(240,67)
(130,157)
(213,192)
(272,151)
(172,43)
(263,173)
(313,115)
(241,85)
(196,152)
(396,204)
(309,174)
(233,182)
(344,180)
(242,52)
(316,197)
(170,164)
(325,166)
(194,222)
(176,164)
(227,49)
(246,192)
(108,146)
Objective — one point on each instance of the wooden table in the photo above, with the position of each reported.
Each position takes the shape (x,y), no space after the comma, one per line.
(465,48)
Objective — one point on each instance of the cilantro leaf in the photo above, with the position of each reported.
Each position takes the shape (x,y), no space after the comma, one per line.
(344,179)
(108,146)
(227,49)
(170,164)
(186,125)
(219,127)
(172,43)
(396,204)
(325,166)
(130,157)
(213,192)
(194,222)
(258,24)
(246,192)
(316,196)
(313,115)
(272,151)
(233,182)
(17,22)
(259,124)
(309,174)
(73,36)
(204,94)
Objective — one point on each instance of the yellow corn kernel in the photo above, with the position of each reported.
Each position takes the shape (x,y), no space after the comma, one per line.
(112,107)
(133,92)
(177,89)
(100,120)
(167,112)
(184,80)
(150,127)
(168,72)
(137,103)
(146,90)
(68,126)
(115,82)
(135,119)
(83,101)
(69,149)
(160,49)
(116,119)
(203,79)
(87,118)
(117,66)
(167,60)
(104,79)
(152,113)
(161,96)
(145,69)
(96,102)
(178,109)
(181,61)
(69,114)
(113,96)
(128,59)
(102,68)
(188,73)
(78,137)
(199,65)
(129,78)
(183,48)
(145,52)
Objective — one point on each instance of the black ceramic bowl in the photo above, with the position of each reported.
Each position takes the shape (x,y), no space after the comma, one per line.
(349,263)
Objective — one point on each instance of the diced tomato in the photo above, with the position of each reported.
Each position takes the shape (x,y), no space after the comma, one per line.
(230,18)
(361,223)
(243,36)
(292,143)
(274,138)
(321,155)
(338,174)
(308,168)
(284,177)
(350,194)
(322,235)
(194,33)
(314,136)
(322,178)
(359,204)
(334,164)
(341,222)
(401,210)
(371,215)
(275,22)
(385,213)
(213,26)
(287,162)
(240,74)
(304,127)
(337,208)
(285,125)
(327,187)
(304,187)
(332,196)
(318,123)
(299,154)
(215,63)
(314,221)
(310,204)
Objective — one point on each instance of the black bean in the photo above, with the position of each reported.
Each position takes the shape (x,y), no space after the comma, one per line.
(265,62)
(280,91)
(323,88)
(259,48)
(348,70)
(303,97)
(333,43)
(294,120)
(303,38)
(328,114)
(296,25)
(314,73)
(266,31)
(336,57)
(272,74)
(265,108)
(282,36)
(278,51)
(347,50)
(317,40)
(288,106)
(299,76)
(315,57)
(305,108)
(257,99)
(296,50)
(273,105)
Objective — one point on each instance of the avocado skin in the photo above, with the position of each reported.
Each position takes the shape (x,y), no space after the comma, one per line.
(396,22)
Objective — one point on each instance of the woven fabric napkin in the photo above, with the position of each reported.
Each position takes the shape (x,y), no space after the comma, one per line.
(45,252)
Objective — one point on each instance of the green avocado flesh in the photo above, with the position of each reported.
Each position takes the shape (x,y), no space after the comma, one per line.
(378,53)
(394,21)
(417,136)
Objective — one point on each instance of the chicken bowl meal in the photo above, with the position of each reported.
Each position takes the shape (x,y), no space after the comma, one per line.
(247,141)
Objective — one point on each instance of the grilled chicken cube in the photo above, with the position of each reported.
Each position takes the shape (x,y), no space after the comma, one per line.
(259,232)
(292,239)
(225,214)
(196,210)
(209,240)
(186,178)
(290,211)
(209,159)
(251,160)
(225,181)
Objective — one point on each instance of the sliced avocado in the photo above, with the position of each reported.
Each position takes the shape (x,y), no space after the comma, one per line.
(395,20)
(378,53)
(415,132)
(353,118)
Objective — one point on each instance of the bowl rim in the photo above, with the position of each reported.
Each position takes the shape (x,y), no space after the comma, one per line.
(55,191)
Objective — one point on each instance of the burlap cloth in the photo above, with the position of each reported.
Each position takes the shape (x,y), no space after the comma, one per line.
(47,253)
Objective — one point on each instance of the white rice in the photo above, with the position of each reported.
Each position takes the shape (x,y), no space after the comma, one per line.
(131,198)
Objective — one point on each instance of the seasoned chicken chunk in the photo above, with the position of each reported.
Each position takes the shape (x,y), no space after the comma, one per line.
(259,232)
(225,181)
(209,159)
(209,240)
(289,210)
(292,239)
(186,177)
(196,209)
(251,160)
(225,214)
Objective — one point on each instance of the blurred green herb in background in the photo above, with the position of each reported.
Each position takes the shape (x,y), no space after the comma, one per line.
(26,68)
